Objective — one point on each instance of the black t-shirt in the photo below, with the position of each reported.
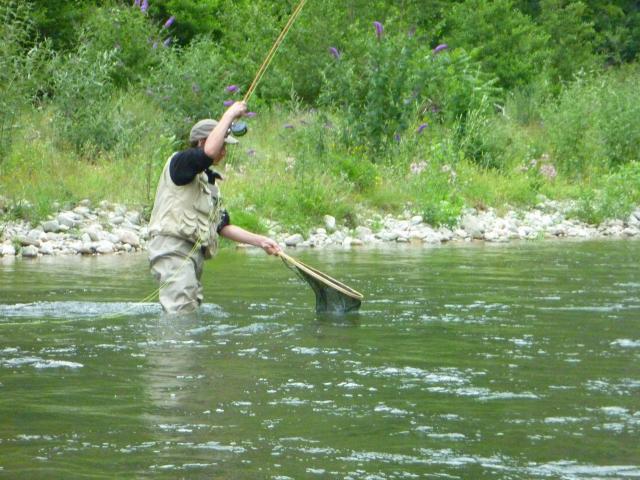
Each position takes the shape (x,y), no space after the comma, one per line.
(184,167)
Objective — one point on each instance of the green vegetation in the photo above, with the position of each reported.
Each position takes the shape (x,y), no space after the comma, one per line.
(368,105)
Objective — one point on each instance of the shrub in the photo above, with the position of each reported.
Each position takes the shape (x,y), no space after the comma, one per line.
(389,83)
(507,42)
(594,124)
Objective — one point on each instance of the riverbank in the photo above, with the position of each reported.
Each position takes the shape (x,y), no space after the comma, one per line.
(110,228)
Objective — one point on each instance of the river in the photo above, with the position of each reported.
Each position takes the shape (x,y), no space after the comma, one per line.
(464,361)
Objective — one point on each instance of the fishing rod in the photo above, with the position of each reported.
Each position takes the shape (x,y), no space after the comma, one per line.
(240,128)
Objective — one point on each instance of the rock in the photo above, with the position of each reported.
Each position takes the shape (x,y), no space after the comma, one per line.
(416,220)
(329,223)
(337,237)
(46,249)
(293,240)
(86,249)
(29,251)
(355,242)
(473,226)
(94,232)
(7,250)
(363,232)
(104,246)
(84,202)
(128,237)
(69,219)
(116,220)
(134,218)
(387,235)
(86,238)
(27,241)
(82,211)
(51,226)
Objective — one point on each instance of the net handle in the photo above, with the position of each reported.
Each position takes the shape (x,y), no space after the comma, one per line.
(323,277)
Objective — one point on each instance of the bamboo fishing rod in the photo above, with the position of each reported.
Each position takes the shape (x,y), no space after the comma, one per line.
(274,48)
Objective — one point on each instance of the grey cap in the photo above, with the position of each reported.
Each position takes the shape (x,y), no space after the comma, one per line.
(203,128)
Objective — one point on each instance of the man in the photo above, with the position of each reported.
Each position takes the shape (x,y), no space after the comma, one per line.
(186,217)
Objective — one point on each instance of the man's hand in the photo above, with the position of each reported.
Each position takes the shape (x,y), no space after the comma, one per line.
(237,110)
(270,246)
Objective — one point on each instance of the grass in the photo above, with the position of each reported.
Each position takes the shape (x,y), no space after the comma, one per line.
(292,169)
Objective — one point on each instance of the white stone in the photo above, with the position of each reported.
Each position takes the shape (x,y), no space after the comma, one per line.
(104,246)
(85,249)
(82,211)
(128,237)
(68,218)
(293,240)
(355,242)
(388,235)
(47,249)
(29,251)
(337,237)
(416,220)
(95,232)
(134,217)
(51,226)
(329,223)
(362,232)
(7,250)
(28,241)
(473,226)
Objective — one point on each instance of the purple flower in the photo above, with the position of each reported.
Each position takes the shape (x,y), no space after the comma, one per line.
(379,29)
(169,22)
(288,125)
(144,6)
(167,41)
(335,52)
(439,48)
(396,137)
(232,88)
(227,103)
(136,3)
(195,88)
(155,45)
(251,152)
(422,127)
(250,114)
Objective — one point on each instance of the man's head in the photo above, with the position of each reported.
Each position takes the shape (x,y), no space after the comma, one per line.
(201,130)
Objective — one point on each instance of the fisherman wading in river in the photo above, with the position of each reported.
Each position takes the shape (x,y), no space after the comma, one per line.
(187,218)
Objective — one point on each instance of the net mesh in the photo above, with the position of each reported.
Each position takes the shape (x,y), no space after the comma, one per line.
(331,295)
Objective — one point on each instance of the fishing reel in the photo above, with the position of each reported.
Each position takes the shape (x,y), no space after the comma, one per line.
(238,129)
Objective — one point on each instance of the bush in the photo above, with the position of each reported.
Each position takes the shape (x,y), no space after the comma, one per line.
(507,42)
(594,125)
(24,68)
(190,83)
(389,83)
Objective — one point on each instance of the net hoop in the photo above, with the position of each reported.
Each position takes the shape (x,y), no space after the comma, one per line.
(322,277)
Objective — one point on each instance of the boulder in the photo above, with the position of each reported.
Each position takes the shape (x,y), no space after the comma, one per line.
(29,251)
(68,219)
(25,241)
(128,238)
(329,223)
(293,240)
(473,226)
(7,250)
(104,246)
(51,226)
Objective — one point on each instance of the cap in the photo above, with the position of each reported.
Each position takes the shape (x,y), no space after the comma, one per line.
(203,128)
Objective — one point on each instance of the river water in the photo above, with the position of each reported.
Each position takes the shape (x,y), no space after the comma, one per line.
(465,361)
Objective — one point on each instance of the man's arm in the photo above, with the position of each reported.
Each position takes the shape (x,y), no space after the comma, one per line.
(240,235)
